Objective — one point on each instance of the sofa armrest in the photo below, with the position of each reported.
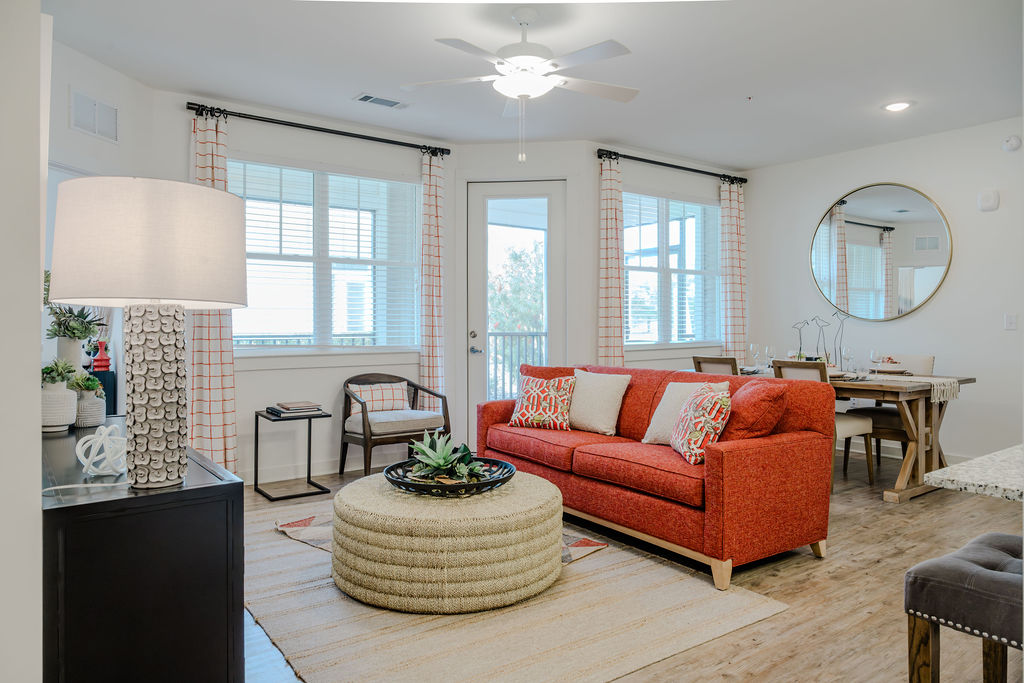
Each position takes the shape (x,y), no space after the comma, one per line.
(489,413)
(767,495)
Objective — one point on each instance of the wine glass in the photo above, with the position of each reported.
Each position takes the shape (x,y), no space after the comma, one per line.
(753,353)
(876,358)
(846,353)
(769,355)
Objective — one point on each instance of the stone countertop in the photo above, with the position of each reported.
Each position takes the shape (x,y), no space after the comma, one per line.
(999,474)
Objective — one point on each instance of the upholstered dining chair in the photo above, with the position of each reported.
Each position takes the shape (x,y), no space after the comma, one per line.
(367,428)
(847,426)
(716,365)
(886,419)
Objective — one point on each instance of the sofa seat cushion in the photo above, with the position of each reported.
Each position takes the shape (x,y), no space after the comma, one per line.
(649,468)
(546,446)
(395,421)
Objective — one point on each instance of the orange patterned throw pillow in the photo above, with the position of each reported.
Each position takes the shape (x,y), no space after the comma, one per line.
(392,396)
(701,420)
(543,403)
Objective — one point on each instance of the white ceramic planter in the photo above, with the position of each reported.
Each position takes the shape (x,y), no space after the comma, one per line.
(91,411)
(59,406)
(70,350)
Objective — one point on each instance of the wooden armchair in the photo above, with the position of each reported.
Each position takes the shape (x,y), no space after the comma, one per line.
(368,429)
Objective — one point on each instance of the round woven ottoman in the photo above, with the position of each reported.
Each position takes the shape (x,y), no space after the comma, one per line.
(419,553)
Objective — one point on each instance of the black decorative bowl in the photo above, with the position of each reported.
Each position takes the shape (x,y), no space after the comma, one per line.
(497,472)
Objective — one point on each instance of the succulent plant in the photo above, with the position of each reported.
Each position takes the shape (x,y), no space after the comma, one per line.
(72,324)
(439,458)
(59,370)
(83,381)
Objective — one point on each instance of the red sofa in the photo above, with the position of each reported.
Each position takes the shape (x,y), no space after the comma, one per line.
(752,498)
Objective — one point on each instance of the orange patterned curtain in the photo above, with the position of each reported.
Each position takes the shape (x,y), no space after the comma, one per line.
(431,280)
(212,427)
(610,334)
(733,268)
(891,300)
(842,285)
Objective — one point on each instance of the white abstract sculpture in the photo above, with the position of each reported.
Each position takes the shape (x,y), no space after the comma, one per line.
(106,451)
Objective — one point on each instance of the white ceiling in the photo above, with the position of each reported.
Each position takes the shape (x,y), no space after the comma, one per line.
(816,72)
(891,204)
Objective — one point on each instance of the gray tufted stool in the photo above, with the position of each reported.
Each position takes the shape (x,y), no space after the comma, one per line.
(976,589)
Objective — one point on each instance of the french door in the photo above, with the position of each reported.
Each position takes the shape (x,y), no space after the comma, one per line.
(516,284)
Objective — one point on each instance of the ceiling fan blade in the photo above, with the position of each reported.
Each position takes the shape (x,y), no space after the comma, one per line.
(511,109)
(594,53)
(612,92)
(470,48)
(451,81)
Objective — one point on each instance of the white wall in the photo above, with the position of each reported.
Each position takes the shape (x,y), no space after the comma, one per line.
(963,324)
(22,176)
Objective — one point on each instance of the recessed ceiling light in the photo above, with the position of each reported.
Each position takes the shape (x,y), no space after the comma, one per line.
(897,106)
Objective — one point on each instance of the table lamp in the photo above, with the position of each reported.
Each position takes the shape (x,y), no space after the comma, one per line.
(155,247)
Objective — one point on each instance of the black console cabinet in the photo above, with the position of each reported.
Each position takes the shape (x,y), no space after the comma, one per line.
(141,585)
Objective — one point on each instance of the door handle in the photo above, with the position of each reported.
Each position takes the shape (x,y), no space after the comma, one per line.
(473,349)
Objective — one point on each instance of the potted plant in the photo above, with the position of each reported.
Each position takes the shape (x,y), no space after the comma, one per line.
(92,408)
(441,461)
(59,404)
(69,327)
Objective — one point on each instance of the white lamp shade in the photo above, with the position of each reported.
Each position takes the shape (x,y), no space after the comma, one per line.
(120,241)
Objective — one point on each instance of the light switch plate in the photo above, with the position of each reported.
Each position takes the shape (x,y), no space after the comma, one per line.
(1010,321)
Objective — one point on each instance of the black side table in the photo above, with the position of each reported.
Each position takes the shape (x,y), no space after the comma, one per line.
(309,455)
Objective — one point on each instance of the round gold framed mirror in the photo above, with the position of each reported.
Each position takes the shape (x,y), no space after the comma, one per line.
(881,251)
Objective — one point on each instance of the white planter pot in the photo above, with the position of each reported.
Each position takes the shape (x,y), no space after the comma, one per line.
(59,407)
(92,410)
(70,350)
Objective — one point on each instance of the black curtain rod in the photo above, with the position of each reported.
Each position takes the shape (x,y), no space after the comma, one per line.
(207,110)
(725,177)
(883,228)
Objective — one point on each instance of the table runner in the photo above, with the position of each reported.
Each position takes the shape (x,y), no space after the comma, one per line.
(943,388)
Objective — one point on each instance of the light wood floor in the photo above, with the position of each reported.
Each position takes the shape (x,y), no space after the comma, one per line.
(845,620)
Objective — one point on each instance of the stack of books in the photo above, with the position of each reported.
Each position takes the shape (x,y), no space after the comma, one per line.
(295,409)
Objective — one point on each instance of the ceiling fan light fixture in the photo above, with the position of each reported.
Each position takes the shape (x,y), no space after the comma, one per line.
(524,84)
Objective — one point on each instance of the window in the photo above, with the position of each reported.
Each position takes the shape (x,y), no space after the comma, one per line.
(866,280)
(671,269)
(332,259)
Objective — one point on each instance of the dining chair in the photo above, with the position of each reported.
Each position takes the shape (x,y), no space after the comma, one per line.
(367,428)
(716,365)
(847,426)
(887,418)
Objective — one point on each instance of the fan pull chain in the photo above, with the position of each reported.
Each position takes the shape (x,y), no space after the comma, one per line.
(522,129)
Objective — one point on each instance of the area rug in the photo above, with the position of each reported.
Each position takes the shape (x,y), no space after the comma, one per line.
(611,614)
(316,530)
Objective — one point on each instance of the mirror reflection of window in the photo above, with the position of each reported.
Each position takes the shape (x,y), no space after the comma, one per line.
(880,252)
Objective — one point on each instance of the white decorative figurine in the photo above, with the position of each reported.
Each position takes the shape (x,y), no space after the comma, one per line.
(106,454)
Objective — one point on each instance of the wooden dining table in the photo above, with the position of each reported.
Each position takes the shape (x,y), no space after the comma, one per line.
(922,420)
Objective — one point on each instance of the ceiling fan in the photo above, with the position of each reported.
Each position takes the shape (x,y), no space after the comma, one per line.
(527,70)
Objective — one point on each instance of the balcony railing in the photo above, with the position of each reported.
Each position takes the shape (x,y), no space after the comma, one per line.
(506,351)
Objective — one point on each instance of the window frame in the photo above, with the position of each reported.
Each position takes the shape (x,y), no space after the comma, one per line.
(665,273)
(320,257)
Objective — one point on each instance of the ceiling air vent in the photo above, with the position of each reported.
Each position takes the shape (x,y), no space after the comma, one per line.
(382,101)
(91,116)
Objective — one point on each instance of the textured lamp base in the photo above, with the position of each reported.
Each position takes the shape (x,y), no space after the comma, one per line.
(155,411)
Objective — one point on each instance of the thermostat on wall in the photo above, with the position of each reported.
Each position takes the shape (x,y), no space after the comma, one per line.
(988,200)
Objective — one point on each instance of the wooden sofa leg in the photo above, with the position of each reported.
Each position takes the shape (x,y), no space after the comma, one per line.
(818,548)
(922,650)
(993,661)
(721,572)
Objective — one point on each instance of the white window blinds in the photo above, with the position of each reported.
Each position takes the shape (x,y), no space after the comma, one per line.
(332,259)
(672,270)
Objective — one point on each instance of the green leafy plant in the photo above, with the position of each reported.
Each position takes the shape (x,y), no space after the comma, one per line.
(83,381)
(72,324)
(58,371)
(67,322)
(439,460)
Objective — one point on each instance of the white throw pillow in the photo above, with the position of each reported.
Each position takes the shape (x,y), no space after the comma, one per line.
(665,415)
(596,401)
